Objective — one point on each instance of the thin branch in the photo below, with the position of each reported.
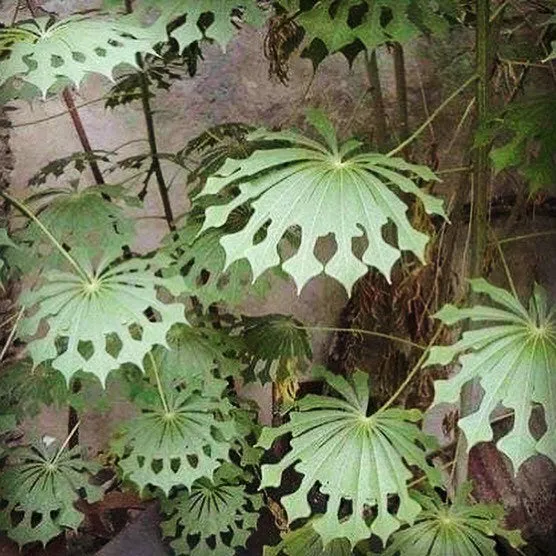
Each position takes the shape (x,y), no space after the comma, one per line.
(504,263)
(65,443)
(82,134)
(526,236)
(412,373)
(432,117)
(12,334)
(59,114)
(29,214)
(159,384)
(361,331)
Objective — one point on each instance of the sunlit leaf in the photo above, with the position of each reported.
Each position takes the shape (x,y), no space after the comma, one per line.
(324,189)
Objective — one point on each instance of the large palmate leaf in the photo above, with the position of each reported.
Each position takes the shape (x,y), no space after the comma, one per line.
(216,517)
(39,488)
(194,20)
(352,26)
(458,528)
(113,302)
(372,452)
(42,52)
(175,444)
(529,141)
(513,355)
(307,541)
(324,189)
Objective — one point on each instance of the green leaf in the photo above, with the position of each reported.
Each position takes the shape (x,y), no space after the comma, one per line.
(113,301)
(197,356)
(324,189)
(373,453)
(307,541)
(87,222)
(278,348)
(458,529)
(202,262)
(42,52)
(513,355)
(204,19)
(216,517)
(41,486)
(175,447)
(527,130)
(340,24)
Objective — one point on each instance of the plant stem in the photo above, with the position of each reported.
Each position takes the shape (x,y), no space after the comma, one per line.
(527,236)
(361,331)
(82,134)
(478,225)
(504,263)
(416,368)
(66,442)
(151,134)
(401,90)
(158,383)
(378,100)
(432,117)
(12,334)
(29,214)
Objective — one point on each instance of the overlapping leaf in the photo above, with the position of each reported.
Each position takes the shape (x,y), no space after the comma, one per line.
(513,355)
(174,445)
(278,350)
(216,517)
(373,453)
(458,528)
(40,486)
(87,222)
(202,261)
(324,189)
(85,312)
(42,52)
(351,26)
(198,356)
(203,19)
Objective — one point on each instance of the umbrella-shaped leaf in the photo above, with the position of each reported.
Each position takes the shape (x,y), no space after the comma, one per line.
(87,310)
(458,528)
(218,510)
(175,443)
(41,485)
(324,188)
(43,51)
(513,355)
(372,452)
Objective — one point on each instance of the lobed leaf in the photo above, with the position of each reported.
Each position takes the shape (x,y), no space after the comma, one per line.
(43,53)
(513,355)
(173,446)
(113,301)
(324,189)
(374,453)
(41,484)
(215,517)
